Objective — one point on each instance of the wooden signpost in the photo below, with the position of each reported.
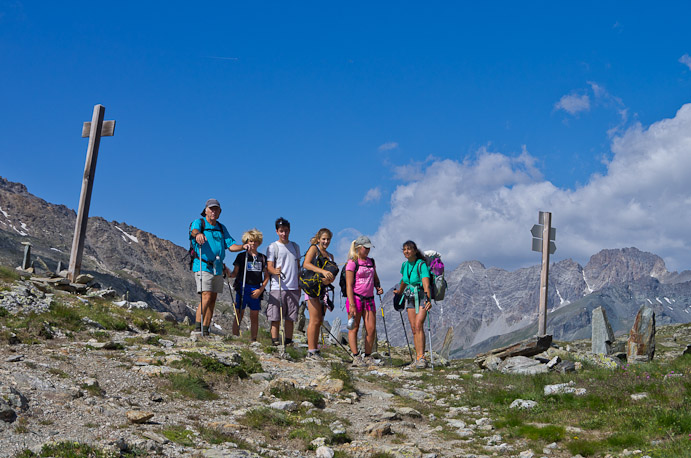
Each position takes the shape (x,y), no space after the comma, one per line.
(95,129)
(543,242)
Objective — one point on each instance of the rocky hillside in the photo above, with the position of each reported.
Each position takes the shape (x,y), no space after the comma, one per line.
(87,378)
(117,255)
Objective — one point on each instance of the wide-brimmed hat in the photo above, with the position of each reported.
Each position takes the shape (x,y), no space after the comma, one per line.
(363,240)
(210,203)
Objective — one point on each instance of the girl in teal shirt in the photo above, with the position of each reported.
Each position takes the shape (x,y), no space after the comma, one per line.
(415,286)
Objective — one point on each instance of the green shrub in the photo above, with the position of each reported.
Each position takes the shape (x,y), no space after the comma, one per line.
(550,433)
(179,435)
(191,387)
(339,371)
(261,417)
(66,449)
(291,393)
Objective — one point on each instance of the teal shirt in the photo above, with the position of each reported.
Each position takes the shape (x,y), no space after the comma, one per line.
(217,242)
(413,274)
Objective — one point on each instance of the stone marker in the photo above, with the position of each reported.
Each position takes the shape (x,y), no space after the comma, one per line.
(335,330)
(641,344)
(26,261)
(602,334)
(446,347)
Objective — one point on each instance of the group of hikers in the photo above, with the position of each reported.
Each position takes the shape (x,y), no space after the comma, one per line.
(281,267)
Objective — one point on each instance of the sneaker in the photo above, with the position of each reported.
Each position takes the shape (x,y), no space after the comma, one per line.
(314,356)
(421,363)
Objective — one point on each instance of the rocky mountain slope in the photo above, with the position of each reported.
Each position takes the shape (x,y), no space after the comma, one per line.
(482,304)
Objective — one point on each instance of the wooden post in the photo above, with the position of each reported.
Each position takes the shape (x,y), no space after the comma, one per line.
(95,130)
(544,275)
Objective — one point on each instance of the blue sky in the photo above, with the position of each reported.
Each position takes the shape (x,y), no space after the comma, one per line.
(448,123)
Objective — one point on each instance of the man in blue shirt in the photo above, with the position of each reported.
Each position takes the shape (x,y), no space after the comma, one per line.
(211,239)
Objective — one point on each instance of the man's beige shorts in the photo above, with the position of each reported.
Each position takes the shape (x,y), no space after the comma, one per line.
(210,282)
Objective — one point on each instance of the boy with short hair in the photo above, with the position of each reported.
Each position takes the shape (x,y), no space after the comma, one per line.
(283,263)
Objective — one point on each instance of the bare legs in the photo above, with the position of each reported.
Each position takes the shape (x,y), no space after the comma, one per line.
(370,324)
(315,308)
(206,307)
(417,322)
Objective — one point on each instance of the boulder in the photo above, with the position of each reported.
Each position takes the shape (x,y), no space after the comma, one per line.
(522,365)
(325,452)
(602,334)
(641,344)
(528,347)
(288,406)
(523,404)
(378,430)
(139,416)
(7,414)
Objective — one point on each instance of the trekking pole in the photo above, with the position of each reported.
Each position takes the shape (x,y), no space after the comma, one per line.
(400,312)
(235,310)
(429,331)
(386,332)
(280,307)
(201,294)
(244,280)
(337,341)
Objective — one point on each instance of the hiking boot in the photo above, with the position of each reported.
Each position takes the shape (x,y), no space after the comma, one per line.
(275,342)
(371,361)
(358,360)
(289,342)
(421,363)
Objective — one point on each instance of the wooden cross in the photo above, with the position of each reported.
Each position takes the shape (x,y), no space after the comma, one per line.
(95,129)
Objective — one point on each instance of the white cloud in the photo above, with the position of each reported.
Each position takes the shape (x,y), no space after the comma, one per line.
(483,208)
(410,172)
(388,146)
(686,60)
(573,103)
(373,195)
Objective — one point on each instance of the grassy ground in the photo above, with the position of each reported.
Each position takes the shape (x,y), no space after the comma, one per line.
(604,420)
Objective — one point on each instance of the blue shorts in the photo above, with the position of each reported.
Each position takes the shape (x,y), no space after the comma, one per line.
(248,300)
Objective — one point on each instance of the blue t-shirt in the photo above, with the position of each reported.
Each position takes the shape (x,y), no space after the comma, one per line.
(217,241)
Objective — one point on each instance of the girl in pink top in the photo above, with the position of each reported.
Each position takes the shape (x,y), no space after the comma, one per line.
(361,279)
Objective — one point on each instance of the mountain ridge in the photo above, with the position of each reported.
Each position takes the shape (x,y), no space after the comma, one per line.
(481,303)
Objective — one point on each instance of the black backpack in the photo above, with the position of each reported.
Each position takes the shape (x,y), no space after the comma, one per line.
(193,253)
(310,281)
(342,281)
